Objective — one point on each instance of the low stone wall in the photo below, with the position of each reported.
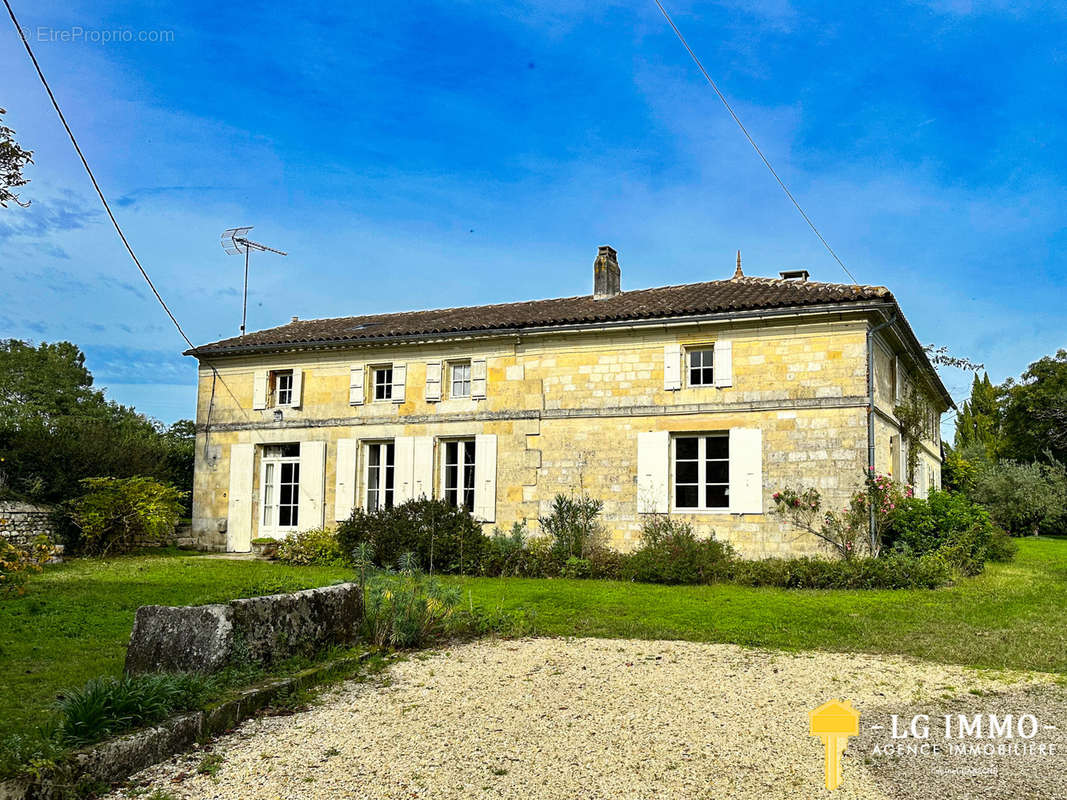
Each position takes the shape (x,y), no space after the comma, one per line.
(21,523)
(258,629)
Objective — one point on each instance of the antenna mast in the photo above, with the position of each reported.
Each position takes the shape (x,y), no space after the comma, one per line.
(235,241)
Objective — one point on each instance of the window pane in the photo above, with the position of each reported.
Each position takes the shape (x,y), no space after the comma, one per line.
(686,472)
(717,497)
(686,496)
(686,448)
(718,447)
(718,472)
(694,377)
(707,376)
(451,475)
(290,450)
(285,515)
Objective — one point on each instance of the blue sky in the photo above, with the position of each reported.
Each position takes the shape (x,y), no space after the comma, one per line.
(422,155)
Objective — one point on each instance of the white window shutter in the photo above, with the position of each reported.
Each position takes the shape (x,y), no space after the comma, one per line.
(723,363)
(344,494)
(400,382)
(422,468)
(298,388)
(898,380)
(240,513)
(485,477)
(672,367)
(478,378)
(653,472)
(259,389)
(433,381)
(312,492)
(746,471)
(403,469)
(355,386)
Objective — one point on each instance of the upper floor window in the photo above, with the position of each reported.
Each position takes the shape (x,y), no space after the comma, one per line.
(457,473)
(383,383)
(283,387)
(700,364)
(702,472)
(459,384)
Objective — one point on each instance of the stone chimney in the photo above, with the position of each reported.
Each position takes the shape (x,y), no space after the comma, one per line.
(606,275)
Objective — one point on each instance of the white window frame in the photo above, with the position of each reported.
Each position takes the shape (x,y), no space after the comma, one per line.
(454,380)
(270,483)
(702,483)
(277,390)
(705,352)
(462,494)
(384,386)
(376,466)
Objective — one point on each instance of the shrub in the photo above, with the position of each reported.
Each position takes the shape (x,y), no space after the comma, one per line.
(503,554)
(949,524)
(574,526)
(890,571)
(848,531)
(409,610)
(671,553)
(319,547)
(108,706)
(442,537)
(16,563)
(575,567)
(1024,498)
(115,515)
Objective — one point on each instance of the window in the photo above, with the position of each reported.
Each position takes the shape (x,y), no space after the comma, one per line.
(283,387)
(379,477)
(281,487)
(459,384)
(700,364)
(702,472)
(383,383)
(457,473)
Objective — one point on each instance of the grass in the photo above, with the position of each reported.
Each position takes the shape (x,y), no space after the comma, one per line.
(1010,616)
(74,622)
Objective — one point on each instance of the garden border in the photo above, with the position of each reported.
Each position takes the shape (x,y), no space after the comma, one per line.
(114,760)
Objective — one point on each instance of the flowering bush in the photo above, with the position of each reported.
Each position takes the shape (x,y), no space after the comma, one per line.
(848,531)
(17,563)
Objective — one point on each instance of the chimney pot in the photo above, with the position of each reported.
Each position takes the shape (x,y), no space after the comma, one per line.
(607,277)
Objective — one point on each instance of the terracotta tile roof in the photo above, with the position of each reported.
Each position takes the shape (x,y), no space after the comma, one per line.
(736,294)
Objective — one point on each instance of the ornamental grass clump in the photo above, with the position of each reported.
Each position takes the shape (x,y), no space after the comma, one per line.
(408,609)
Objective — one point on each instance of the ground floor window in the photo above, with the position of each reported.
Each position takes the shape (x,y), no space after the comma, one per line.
(457,473)
(702,471)
(281,486)
(378,480)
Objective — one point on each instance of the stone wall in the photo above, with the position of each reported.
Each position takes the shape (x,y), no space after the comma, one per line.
(259,629)
(21,523)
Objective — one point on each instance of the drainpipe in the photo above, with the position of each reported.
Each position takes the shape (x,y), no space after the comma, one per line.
(870,408)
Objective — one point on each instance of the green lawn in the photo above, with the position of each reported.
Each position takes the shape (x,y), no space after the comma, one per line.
(1013,615)
(75,619)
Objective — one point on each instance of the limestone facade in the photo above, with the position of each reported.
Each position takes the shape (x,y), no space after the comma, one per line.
(594,410)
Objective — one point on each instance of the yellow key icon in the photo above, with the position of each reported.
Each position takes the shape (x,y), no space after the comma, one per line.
(833,723)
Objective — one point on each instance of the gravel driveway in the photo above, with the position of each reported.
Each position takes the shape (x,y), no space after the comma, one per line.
(597,718)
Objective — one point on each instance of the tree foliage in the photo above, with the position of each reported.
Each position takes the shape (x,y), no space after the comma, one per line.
(978,423)
(12,161)
(115,515)
(1035,411)
(56,428)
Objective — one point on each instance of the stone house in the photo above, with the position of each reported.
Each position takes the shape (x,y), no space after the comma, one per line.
(697,400)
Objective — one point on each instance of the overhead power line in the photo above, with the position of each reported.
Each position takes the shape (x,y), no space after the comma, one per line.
(107,207)
(751,141)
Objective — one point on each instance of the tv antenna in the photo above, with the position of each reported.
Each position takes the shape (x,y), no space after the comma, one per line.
(235,241)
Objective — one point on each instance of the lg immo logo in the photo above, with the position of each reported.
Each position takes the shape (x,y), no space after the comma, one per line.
(833,723)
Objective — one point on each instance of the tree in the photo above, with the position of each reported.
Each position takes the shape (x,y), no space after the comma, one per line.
(56,429)
(979,421)
(1035,412)
(12,161)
